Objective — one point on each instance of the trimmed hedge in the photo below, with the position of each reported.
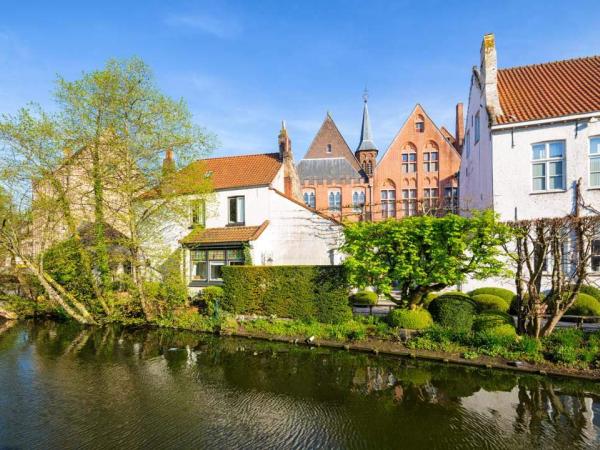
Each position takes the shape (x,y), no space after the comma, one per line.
(491,319)
(365,298)
(454,311)
(504,294)
(411,319)
(486,302)
(297,292)
(585,305)
(591,290)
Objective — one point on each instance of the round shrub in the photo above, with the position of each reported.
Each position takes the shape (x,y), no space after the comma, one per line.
(491,319)
(454,311)
(486,302)
(504,294)
(585,305)
(211,295)
(499,336)
(411,319)
(429,298)
(365,298)
(591,290)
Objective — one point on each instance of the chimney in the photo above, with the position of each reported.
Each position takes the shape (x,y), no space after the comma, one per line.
(291,181)
(460,128)
(489,72)
(168,163)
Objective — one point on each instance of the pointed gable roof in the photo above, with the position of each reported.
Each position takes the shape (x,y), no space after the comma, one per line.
(366,135)
(329,135)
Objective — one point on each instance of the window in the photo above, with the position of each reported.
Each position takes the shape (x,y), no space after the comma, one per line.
(420,125)
(548,166)
(596,255)
(237,210)
(388,203)
(207,264)
(595,162)
(358,200)
(335,200)
(409,162)
(477,127)
(409,202)
(198,213)
(328,148)
(451,199)
(468,144)
(310,199)
(430,161)
(430,202)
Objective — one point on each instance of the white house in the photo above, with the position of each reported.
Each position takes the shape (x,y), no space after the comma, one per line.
(532,136)
(256,210)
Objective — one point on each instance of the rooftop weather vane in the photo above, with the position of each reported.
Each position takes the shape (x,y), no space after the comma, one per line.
(366,94)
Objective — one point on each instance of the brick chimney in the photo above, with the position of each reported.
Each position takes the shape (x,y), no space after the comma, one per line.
(460,128)
(489,72)
(168,163)
(291,181)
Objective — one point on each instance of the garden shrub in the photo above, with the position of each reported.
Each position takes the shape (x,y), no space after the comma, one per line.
(212,295)
(504,294)
(412,319)
(298,292)
(491,319)
(365,298)
(486,302)
(585,305)
(429,298)
(591,290)
(454,311)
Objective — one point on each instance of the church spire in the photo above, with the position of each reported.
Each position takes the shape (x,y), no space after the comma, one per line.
(366,136)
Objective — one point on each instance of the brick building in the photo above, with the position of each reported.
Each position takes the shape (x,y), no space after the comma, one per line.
(417,174)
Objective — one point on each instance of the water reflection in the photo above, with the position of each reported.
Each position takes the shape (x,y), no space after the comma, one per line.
(66,386)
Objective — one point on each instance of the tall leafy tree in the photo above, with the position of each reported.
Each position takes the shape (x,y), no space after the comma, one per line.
(424,254)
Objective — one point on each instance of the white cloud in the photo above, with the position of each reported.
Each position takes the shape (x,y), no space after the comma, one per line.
(215,26)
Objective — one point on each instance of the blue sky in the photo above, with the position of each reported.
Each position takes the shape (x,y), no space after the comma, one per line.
(243,66)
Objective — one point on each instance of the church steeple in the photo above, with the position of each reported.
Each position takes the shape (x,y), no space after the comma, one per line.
(366,153)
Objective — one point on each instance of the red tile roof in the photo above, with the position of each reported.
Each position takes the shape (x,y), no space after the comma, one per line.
(225,234)
(238,171)
(553,89)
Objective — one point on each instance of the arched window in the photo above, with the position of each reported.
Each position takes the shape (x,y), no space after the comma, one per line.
(335,200)
(409,159)
(310,198)
(388,200)
(358,200)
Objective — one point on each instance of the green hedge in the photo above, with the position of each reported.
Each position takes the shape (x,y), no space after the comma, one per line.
(504,294)
(454,311)
(297,292)
(591,290)
(585,305)
(486,302)
(365,298)
(411,319)
(491,319)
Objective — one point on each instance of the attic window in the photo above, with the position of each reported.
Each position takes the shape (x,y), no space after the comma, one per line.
(328,148)
(420,126)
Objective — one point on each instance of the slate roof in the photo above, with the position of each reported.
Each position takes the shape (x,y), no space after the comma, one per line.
(366,135)
(549,90)
(225,234)
(327,169)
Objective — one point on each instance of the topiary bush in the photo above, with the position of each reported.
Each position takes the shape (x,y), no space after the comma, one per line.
(454,311)
(585,305)
(297,292)
(486,302)
(504,294)
(365,298)
(491,319)
(411,319)
(496,337)
(591,290)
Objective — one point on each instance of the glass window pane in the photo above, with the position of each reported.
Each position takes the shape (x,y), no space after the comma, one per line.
(215,271)
(539,151)
(426,156)
(539,184)
(404,157)
(556,182)
(199,270)
(232,210)
(539,170)
(595,146)
(236,253)
(216,255)
(434,156)
(557,149)
(555,168)
(413,156)
(595,179)
(241,209)
(595,164)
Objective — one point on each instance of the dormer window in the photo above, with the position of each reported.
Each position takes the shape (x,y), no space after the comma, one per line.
(420,124)
(328,148)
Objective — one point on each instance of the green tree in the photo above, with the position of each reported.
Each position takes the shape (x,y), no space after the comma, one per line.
(424,254)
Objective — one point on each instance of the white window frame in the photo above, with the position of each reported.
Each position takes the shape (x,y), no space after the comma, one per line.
(410,162)
(240,212)
(310,199)
(336,205)
(594,155)
(388,203)
(430,164)
(409,202)
(547,162)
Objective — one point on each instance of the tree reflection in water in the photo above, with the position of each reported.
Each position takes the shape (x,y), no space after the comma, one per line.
(273,395)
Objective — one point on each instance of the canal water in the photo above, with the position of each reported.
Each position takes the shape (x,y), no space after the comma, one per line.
(66,387)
